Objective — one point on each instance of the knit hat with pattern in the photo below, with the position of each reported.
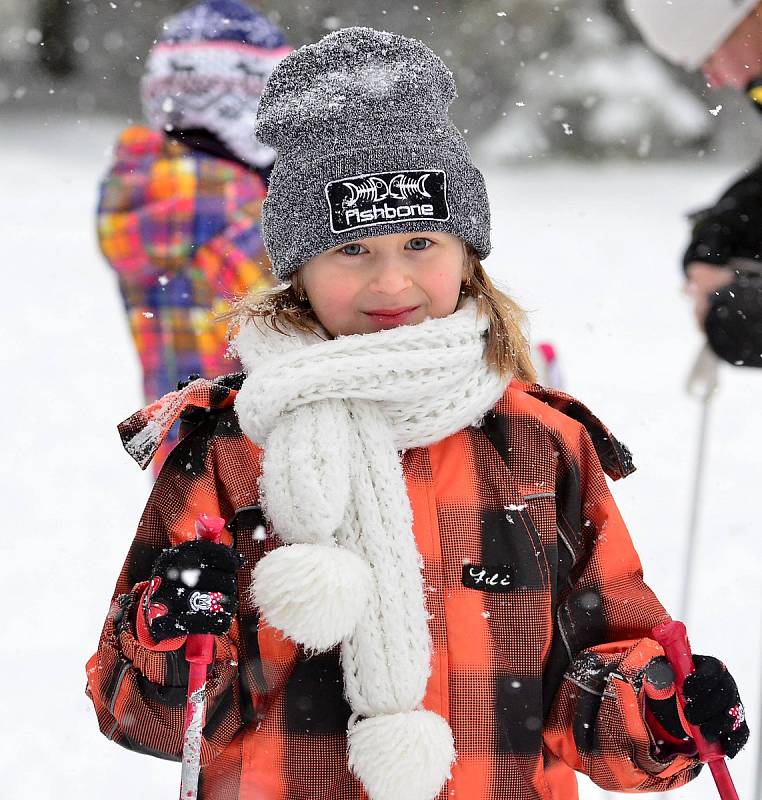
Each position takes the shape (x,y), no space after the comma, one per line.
(208,70)
(364,148)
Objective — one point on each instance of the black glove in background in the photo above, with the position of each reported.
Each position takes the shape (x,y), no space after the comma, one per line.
(734,322)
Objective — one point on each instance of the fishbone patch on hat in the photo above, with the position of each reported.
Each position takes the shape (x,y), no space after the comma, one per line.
(364,147)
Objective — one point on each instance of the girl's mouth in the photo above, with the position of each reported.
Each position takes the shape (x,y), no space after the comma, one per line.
(391,317)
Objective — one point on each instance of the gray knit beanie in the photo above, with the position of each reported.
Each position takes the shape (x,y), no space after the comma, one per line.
(364,148)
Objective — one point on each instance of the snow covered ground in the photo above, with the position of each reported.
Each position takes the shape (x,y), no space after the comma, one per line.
(591,250)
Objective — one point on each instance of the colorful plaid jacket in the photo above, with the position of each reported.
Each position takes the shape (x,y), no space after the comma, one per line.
(537,679)
(182,230)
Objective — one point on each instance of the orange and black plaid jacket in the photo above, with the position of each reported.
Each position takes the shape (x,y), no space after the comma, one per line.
(537,679)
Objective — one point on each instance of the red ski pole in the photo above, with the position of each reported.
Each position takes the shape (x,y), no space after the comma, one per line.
(199,653)
(673,637)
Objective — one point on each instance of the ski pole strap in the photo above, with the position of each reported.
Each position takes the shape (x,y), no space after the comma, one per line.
(673,638)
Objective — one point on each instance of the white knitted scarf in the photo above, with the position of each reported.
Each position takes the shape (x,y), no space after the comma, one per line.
(331,416)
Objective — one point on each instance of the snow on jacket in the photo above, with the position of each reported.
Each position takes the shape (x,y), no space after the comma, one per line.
(540,618)
(182,230)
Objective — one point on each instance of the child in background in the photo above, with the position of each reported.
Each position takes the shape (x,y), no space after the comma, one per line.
(179,216)
(439,597)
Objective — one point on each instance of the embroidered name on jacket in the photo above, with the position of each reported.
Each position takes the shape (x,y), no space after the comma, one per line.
(387,197)
(490,578)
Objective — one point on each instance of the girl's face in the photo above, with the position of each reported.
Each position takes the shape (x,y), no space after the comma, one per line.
(385,281)
(739,58)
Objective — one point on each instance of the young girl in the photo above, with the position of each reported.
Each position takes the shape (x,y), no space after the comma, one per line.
(439,597)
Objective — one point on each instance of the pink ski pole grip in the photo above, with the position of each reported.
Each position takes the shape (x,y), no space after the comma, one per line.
(673,638)
(210,528)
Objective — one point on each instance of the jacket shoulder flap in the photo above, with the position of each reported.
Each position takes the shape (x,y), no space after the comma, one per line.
(144,431)
(615,457)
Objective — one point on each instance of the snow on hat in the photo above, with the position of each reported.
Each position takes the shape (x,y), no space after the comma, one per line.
(364,148)
(687,32)
(208,70)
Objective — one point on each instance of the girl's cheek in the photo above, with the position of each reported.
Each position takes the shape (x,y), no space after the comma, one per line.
(341,298)
(345,289)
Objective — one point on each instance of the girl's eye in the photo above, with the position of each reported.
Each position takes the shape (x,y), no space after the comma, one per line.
(419,243)
(353,249)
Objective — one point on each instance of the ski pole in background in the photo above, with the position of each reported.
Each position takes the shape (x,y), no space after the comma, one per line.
(673,638)
(544,357)
(199,653)
(702,383)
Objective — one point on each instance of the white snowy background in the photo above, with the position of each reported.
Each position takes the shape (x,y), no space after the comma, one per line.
(592,251)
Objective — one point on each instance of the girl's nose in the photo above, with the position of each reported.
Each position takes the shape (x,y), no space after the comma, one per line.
(390,277)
